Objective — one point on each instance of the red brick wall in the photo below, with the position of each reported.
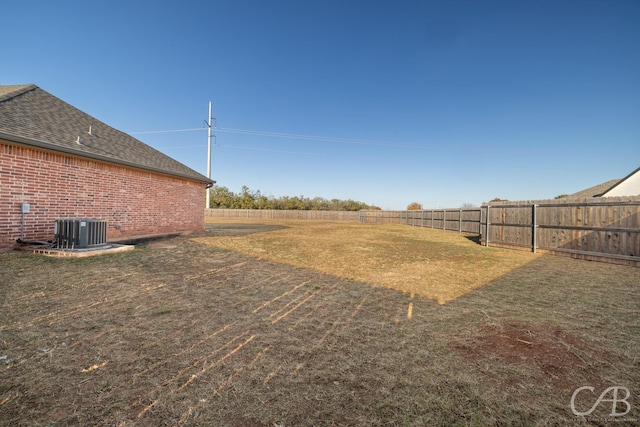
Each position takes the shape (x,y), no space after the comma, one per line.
(134,202)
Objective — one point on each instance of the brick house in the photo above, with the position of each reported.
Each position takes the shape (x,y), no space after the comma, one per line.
(60,162)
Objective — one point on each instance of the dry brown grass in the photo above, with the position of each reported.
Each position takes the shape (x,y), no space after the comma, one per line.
(426,262)
(185,333)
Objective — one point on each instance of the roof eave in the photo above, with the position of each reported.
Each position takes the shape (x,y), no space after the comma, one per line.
(28,142)
(619,182)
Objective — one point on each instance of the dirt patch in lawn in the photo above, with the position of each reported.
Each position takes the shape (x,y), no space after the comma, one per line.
(553,356)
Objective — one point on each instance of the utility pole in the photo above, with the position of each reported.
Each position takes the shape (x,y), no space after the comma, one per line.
(209,135)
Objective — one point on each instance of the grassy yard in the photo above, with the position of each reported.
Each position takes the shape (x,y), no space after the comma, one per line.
(297,323)
(426,262)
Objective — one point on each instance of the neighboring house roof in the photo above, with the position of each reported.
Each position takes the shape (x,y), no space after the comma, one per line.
(33,117)
(627,186)
(594,191)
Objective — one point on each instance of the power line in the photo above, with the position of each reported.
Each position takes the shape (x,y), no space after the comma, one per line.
(166,131)
(483,148)
(307,153)
(317,138)
(236,147)
(299,136)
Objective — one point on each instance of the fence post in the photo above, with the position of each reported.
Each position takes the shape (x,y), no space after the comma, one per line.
(460,220)
(431,218)
(534,227)
(480,223)
(486,239)
(422,219)
(444,219)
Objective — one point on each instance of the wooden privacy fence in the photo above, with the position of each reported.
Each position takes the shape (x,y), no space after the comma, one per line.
(460,220)
(606,229)
(283,214)
(595,229)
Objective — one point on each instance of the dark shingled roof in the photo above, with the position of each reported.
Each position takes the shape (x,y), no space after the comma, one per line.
(594,191)
(33,117)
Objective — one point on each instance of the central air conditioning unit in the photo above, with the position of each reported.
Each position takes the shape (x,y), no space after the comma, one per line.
(80,233)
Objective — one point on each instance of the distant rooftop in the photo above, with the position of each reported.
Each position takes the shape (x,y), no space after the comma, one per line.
(594,191)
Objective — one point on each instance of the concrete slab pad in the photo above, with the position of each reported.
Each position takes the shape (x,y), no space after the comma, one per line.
(79,253)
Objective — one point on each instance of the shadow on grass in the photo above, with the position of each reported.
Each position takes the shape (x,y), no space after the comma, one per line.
(241,229)
(474,238)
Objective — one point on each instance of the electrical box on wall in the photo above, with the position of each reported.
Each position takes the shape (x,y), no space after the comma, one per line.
(26,207)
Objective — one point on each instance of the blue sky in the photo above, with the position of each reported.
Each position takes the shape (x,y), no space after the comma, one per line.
(436,102)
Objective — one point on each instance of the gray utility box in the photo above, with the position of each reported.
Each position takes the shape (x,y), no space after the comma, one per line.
(80,233)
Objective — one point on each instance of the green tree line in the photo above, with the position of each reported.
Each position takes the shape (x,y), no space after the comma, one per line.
(223,198)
